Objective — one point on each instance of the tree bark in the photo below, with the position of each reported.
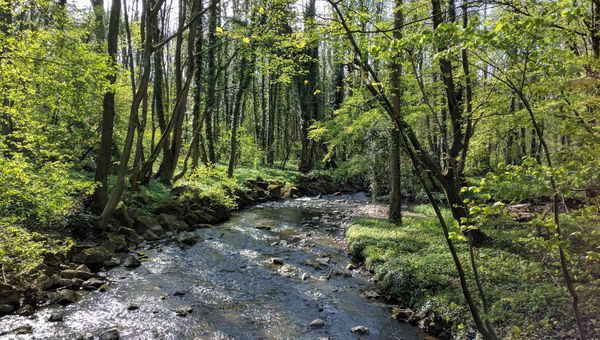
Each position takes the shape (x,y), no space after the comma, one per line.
(395,212)
(133,116)
(245,72)
(103,163)
(307,86)
(211,109)
(197,122)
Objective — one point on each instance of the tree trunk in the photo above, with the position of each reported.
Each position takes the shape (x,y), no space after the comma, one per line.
(103,163)
(133,116)
(245,72)
(211,109)
(307,86)
(395,212)
(197,122)
(273,96)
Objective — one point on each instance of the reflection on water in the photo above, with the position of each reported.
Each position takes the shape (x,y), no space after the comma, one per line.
(234,290)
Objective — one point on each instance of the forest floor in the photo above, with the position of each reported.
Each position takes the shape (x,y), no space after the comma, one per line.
(414,269)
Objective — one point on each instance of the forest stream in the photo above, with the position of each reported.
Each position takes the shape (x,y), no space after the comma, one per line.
(266,274)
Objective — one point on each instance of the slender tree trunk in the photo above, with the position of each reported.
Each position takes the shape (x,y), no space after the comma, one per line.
(264,109)
(307,86)
(182,94)
(103,163)
(158,94)
(564,264)
(211,109)
(197,122)
(273,96)
(395,212)
(99,31)
(133,116)
(245,78)
(471,234)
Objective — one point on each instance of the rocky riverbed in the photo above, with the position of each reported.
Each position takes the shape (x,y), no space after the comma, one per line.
(278,270)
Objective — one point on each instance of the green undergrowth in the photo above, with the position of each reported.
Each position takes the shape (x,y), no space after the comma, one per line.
(212,181)
(412,263)
(35,200)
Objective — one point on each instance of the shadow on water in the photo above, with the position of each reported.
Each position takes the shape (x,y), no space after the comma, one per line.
(234,290)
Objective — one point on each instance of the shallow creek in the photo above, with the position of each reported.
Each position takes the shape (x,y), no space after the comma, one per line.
(232,289)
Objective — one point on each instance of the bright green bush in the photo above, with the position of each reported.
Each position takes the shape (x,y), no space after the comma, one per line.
(21,251)
(212,182)
(40,195)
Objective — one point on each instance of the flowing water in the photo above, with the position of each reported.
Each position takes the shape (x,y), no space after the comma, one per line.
(233,288)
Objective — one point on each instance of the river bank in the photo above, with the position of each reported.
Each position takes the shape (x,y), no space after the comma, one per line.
(63,273)
(413,269)
(275,270)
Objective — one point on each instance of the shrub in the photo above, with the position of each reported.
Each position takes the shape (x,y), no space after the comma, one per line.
(38,194)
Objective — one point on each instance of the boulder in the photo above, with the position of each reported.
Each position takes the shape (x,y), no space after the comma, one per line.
(92,284)
(46,282)
(122,215)
(187,238)
(149,235)
(359,330)
(521,212)
(242,197)
(290,192)
(83,267)
(131,261)
(68,283)
(76,274)
(316,323)
(312,189)
(219,211)
(172,206)
(110,334)
(329,187)
(21,330)
(53,259)
(56,316)
(157,229)
(259,183)
(143,223)
(9,295)
(65,297)
(113,262)
(171,222)
(274,188)
(26,310)
(199,216)
(95,256)
(130,235)
(115,242)
(277,261)
(184,311)
(6,309)
(371,295)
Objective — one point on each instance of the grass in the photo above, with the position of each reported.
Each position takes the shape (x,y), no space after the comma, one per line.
(413,264)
